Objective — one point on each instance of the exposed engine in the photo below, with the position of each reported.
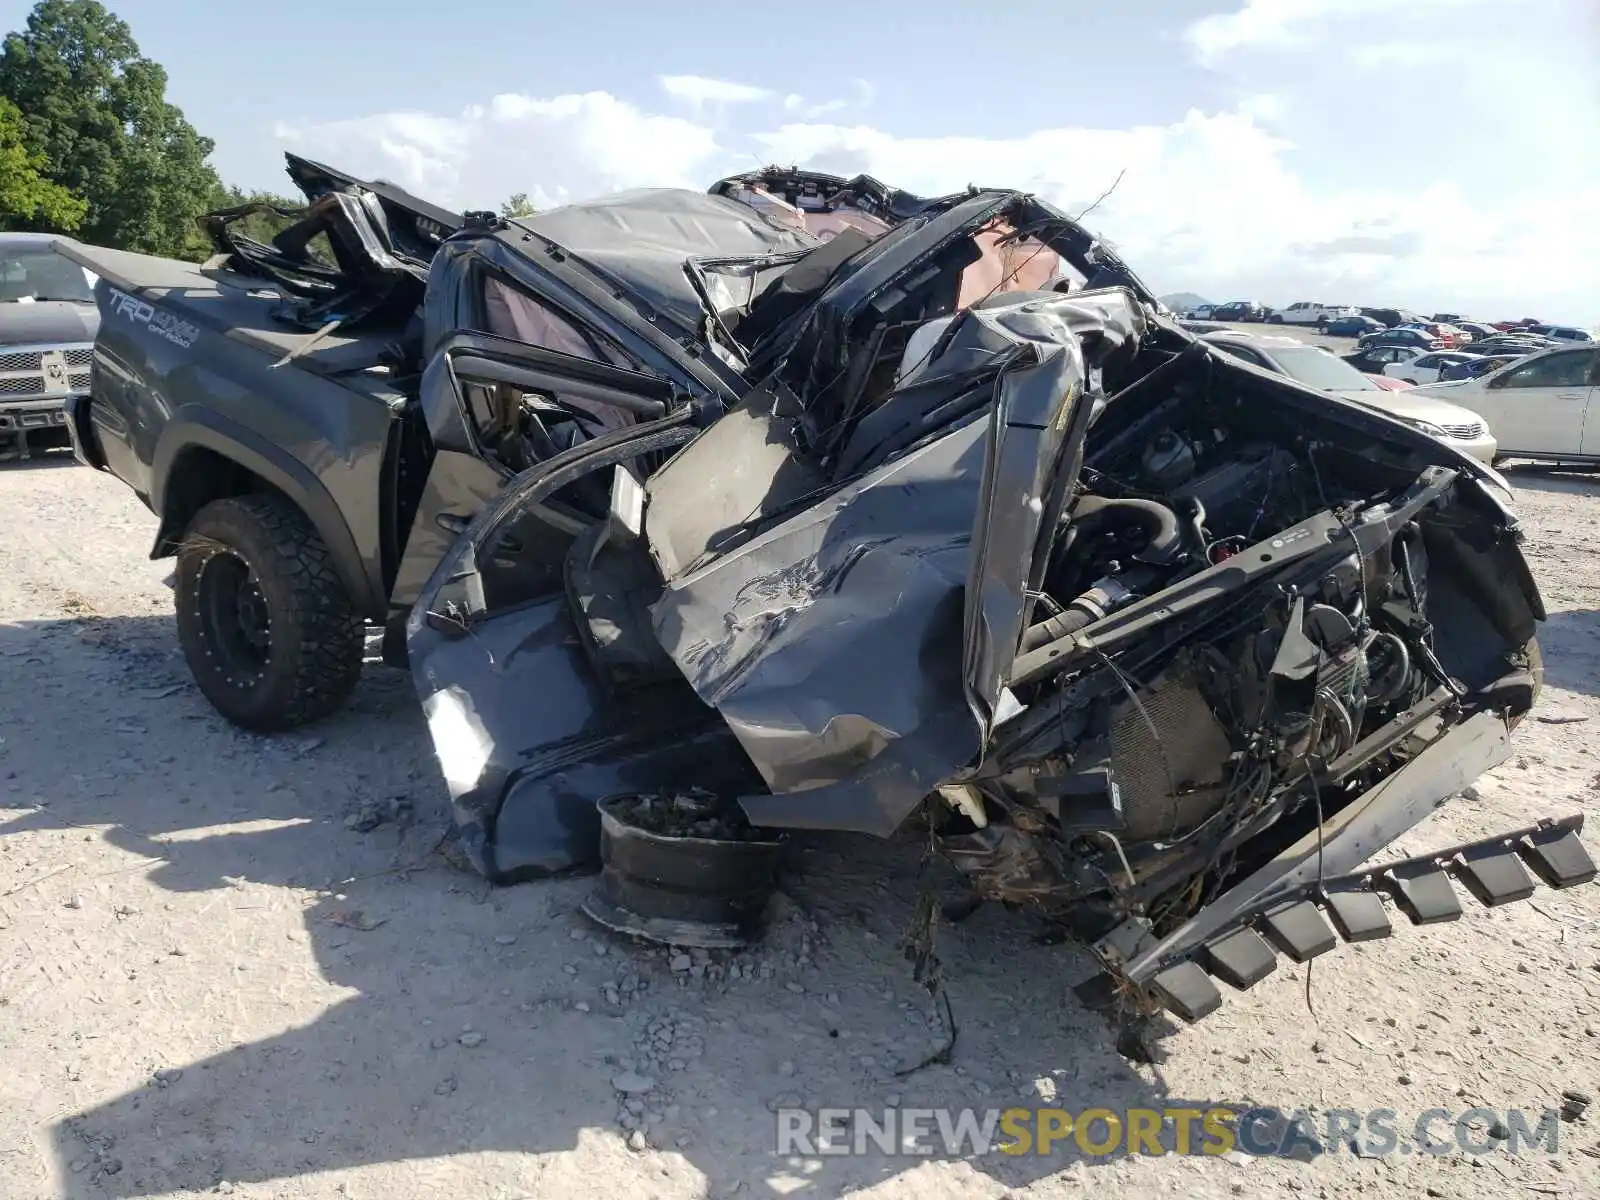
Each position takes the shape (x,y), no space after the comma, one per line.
(1178,734)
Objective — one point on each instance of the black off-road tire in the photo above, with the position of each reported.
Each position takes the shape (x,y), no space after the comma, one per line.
(312,655)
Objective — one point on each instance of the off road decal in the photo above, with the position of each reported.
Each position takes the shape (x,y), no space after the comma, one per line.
(179,332)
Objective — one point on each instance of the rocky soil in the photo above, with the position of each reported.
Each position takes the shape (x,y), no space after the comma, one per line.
(234,965)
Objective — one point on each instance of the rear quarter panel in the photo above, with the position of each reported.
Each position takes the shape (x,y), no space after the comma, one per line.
(174,374)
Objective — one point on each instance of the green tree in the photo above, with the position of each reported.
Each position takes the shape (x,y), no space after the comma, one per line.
(518,206)
(27,198)
(95,109)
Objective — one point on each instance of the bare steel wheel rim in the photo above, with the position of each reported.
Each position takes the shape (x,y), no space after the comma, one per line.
(235,622)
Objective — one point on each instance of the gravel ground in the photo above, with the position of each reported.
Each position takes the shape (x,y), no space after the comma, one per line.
(232,965)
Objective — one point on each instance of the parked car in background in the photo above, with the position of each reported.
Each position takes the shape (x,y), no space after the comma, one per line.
(1373,357)
(1447,318)
(1445,335)
(1562,333)
(1390,317)
(1352,326)
(1517,338)
(1545,406)
(1239,310)
(1326,371)
(1478,364)
(1477,329)
(1311,312)
(1425,368)
(1201,312)
(1404,335)
(48,321)
(1515,348)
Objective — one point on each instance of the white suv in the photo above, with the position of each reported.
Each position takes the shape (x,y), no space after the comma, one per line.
(1312,312)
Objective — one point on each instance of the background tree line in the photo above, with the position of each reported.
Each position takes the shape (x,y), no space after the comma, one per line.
(90,145)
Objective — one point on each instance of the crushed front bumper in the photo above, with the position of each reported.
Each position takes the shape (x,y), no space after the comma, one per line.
(1314,893)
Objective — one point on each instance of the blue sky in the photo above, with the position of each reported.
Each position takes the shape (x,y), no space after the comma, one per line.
(1428,153)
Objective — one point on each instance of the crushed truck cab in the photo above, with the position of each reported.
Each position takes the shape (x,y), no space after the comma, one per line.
(856,508)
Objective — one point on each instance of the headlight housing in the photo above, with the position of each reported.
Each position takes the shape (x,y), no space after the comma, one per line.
(1428,428)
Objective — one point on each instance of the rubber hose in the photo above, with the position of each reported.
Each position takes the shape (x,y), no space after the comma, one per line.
(1058,626)
(1401,669)
(1158,522)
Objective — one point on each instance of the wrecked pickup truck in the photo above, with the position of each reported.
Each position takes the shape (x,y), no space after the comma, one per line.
(933,519)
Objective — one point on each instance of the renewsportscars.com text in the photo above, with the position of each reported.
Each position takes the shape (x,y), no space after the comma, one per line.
(1173,1129)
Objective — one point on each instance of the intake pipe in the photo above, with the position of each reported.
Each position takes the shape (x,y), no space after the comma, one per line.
(1092,514)
(1085,610)
(1164,542)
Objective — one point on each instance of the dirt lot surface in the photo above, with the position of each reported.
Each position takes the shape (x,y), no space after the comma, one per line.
(217,975)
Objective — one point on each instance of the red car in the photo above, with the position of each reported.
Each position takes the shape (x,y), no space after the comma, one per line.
(1389,383)
(1447,335)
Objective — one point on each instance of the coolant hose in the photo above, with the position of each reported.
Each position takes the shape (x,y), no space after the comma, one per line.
(1159,524)
(1090,515)
(1102,599)
(1070,620)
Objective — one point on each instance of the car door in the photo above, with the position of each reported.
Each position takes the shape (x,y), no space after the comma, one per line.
(1589,444)
(1391,359)
(1413,368)
(1425,368)
(1539,407)
(1373,359)
(522,383)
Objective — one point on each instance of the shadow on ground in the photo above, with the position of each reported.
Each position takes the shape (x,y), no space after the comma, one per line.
(493,1020)
(47,459)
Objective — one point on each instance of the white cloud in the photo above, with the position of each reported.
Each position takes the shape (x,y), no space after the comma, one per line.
(1213,202)
(698,91)
(1263,106)
(863,95)
(1258,23)
(552,148)
(796,103)
(1282,24)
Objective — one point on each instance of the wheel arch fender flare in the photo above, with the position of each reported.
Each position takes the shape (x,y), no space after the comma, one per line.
(228,439)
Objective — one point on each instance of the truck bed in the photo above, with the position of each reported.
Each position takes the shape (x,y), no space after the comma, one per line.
(244,309)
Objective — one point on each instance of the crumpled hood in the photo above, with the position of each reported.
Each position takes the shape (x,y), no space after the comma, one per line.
(47,322)
(859,649)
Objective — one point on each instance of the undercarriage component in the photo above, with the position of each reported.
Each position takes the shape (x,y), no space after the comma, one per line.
(1301,922)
